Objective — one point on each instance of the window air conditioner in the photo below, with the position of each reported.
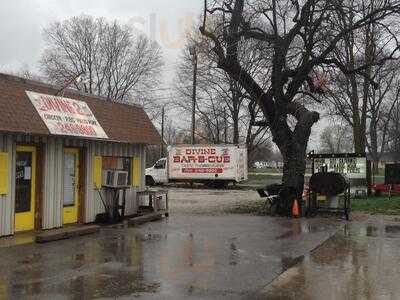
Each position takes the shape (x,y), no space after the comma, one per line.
(115,178)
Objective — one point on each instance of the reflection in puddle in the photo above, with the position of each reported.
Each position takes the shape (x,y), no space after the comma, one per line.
(386,231)
(108,267)
(298,228)
(17,240)
(371,231)
(221,260)
(345,267)
(289,262)
(30,259)
(151,237)
(234,255)
(392,229)
(111,285)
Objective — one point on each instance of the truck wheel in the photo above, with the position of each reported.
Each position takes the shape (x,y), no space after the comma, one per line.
(221,184)
(209,184)
(150,181)
(224,185)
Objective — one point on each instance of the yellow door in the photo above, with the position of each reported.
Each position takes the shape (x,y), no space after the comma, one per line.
(71,186)
(25,180)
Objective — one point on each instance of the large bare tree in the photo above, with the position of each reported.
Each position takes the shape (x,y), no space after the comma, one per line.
(394,130)
(117,62)
(354,96)
(382,103)
(336,138)
(302,36)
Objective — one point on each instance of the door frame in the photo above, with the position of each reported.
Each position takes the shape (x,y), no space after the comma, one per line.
(82,184)
(31,149)
(77,192)
(40,167)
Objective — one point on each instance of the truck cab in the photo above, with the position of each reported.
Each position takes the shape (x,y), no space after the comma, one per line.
(157,174)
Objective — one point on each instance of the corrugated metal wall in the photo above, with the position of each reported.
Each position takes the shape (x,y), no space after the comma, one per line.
(53,184)
(53,178)
(7,201)
(94,204)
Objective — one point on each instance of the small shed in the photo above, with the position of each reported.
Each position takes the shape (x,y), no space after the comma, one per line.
(54,151)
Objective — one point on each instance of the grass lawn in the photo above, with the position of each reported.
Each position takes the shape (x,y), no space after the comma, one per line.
(377,205)
(265,170)
(263,179)
(373,206)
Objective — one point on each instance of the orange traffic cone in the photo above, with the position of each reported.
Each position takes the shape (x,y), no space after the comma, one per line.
(295,209)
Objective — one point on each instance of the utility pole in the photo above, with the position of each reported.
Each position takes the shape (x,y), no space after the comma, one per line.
(162,131)
(193,52)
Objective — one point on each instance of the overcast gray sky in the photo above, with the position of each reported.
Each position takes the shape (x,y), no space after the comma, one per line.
(22,22)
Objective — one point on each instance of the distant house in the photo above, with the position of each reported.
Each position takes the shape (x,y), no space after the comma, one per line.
(386,158)
(273,161)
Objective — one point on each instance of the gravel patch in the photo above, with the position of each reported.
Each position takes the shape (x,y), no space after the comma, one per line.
(209,201)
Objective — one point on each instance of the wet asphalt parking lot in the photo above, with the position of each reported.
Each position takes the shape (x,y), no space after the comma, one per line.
(182,257)
(195,255)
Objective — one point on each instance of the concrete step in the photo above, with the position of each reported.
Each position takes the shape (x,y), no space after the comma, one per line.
(150,217)
(65,233)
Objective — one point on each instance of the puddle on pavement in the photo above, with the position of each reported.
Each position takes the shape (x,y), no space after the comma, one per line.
(126,262)
(289,262)
(105,285)
(299,228)
(108,268)
(17,240)
(344,267)
(384,231)
(234,255)
(31,259)
(151,237)
(393,230)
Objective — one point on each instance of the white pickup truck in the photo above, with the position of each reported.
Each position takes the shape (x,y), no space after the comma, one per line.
(213,165)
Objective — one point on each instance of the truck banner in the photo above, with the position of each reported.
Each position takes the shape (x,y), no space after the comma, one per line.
(64,116)
(202,162)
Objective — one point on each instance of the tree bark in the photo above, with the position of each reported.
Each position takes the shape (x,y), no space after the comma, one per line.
(294,167)
(235,119)
(293,146)
(359,138)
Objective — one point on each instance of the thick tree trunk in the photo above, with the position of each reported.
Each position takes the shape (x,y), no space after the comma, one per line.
(236,129)
(235,110)
(373,147)
(359,138)
(294,168)
(293,146)
(375,166)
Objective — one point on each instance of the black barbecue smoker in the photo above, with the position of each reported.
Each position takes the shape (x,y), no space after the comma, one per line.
(329,192)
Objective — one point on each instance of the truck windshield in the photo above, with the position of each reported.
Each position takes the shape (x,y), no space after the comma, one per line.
(160,164)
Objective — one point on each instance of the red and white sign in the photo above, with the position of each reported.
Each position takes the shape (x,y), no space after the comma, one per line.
(203,162)
(64,116)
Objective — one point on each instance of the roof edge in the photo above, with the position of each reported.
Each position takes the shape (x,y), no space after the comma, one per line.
(68,90)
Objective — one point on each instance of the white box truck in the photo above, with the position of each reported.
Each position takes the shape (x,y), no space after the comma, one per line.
(213,165)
